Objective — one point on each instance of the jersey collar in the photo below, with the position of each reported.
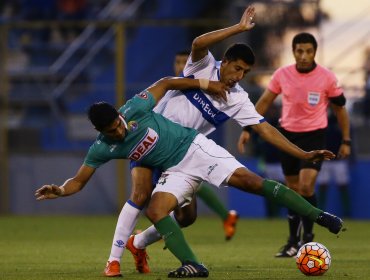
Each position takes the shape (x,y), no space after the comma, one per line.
(123,120)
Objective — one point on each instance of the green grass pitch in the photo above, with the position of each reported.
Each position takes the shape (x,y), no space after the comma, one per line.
(75,247)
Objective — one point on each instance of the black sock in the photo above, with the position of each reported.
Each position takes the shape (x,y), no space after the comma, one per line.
(294,221)
(307,223)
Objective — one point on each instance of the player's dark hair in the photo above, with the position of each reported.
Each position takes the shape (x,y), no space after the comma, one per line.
(102,114)
(304,38)
(240,51)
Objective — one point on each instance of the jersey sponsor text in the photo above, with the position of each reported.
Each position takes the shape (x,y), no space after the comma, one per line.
(145,145)
(205,106)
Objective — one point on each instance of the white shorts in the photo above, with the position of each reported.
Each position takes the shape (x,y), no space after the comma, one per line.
(204,161)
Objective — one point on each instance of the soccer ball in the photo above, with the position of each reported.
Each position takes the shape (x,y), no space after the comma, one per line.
(313,259)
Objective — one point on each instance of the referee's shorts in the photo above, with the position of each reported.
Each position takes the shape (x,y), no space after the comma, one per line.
(307,141)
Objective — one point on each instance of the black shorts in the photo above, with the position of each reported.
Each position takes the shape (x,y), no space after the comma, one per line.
(308,141)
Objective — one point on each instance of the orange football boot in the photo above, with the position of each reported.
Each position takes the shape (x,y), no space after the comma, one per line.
(140,256)
(112,269)
(230,224)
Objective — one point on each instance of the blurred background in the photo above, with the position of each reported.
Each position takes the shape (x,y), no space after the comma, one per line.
(59,56)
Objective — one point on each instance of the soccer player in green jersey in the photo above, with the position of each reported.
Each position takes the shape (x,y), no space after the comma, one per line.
(187,158)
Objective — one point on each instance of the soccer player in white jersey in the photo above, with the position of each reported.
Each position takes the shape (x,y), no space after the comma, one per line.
(193,109)
(206,192)
(187,157)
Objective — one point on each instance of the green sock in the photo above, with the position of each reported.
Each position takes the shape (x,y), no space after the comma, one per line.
(282,194)
(175,240)
(209,197)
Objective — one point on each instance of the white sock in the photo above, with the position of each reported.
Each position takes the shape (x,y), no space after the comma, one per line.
(149,236)
(125,225)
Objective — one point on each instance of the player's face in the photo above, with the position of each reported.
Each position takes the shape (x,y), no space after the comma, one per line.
(232,72)
(116,130)
(304,55)
(179,63)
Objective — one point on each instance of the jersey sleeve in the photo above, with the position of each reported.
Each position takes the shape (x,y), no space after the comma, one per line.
(94,158)
(334,88)
(247,115)
(141,102)
(194,67)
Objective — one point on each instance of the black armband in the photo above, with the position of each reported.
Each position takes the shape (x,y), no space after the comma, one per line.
(347,142)
(247,128)
(338,100)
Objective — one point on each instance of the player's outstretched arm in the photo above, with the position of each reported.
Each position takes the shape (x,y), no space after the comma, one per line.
(320,155)
(274,137)
(69,187)
(199,48)
(215,88)
(265,101)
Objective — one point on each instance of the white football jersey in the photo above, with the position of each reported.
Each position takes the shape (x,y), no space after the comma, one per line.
(199,110)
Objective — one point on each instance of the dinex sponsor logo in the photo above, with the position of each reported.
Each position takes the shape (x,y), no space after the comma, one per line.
(204,105)
(145,145)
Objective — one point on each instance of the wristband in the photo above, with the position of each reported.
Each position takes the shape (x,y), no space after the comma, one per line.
(203,84)
(62,191)
(347,142)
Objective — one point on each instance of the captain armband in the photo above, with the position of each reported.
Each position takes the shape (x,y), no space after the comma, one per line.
(338,100)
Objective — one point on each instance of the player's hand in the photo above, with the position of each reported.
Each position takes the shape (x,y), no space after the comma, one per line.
(218,90)
(246,21)
(344,151)
(243,139)
(319,155)
(48,192)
